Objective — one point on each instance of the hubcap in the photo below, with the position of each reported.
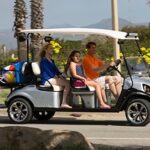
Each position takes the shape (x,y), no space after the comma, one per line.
(18,111)
(137,113)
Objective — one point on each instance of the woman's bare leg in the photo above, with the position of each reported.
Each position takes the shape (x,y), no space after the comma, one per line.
(104,95)
(98,93)
(65,84)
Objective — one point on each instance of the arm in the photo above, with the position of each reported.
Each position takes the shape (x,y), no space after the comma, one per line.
(56,69)
(99,68)
(73,71)
(103,67)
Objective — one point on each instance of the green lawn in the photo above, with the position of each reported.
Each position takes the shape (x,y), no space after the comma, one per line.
(3,95)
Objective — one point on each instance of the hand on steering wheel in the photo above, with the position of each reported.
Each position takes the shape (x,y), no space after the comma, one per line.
(114,65)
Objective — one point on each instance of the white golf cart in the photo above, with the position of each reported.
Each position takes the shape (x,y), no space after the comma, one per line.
(32,99)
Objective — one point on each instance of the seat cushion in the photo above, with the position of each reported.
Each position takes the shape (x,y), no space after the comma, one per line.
(91,88)
(58,88)
(55,87)
(36,68)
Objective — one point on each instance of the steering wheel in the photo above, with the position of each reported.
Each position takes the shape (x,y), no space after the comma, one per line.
(110,68)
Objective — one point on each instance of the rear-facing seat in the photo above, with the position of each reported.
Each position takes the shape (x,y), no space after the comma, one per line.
(36,71)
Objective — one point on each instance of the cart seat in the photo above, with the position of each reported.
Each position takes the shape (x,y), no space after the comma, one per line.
(48,87)
(81,89)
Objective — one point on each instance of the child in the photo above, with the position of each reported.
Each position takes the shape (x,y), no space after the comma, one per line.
(77,71)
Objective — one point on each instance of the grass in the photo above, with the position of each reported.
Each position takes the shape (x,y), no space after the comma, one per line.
(3,95)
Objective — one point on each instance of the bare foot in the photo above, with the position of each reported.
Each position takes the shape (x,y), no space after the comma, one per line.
(65,106)
(105,106)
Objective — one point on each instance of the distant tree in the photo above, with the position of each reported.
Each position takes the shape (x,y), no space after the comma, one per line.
(36,23)
(20,13)
(143,32)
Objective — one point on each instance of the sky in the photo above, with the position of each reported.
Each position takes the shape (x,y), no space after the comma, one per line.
(78,12)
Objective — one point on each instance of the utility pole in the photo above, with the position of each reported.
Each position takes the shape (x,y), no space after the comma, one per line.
(115,26)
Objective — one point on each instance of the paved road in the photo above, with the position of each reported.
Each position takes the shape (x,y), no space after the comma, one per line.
(99,128)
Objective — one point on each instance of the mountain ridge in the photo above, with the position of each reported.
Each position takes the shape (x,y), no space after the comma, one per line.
(7,37)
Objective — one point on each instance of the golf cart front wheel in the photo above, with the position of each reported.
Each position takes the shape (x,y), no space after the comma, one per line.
(20,110)
(138,112)
(43,115)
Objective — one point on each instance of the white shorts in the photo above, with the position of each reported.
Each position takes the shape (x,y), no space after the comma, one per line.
(101,81)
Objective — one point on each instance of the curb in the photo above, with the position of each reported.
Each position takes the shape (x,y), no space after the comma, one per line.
(2,106)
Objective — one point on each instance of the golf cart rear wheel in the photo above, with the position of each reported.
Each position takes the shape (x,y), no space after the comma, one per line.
(20,110)
(138,112)
(43,115)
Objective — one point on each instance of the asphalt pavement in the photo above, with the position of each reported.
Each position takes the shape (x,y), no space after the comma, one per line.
(102,129)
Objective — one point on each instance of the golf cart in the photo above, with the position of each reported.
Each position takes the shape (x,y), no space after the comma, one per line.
(28,99)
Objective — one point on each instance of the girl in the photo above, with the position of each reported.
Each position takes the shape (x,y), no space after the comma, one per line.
(50,73)
(77,71)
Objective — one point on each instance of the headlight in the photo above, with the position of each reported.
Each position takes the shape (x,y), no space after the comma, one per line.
(146,88)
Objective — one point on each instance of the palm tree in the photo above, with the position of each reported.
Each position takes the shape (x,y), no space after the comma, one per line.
(36,23)
(20,13)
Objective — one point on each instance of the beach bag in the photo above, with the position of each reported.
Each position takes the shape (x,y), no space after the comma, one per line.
(77,83)
(8,74)
(9,77)
(14,73)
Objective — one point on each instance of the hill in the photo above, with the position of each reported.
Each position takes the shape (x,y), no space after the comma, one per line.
(7,38)
(107,24)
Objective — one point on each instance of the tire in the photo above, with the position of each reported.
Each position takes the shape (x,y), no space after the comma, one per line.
(20,110)
(43,115)
(138,112)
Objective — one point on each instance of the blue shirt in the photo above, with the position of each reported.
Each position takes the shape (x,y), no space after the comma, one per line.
(48,70)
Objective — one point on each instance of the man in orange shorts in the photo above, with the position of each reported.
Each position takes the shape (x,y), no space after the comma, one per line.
(93,65)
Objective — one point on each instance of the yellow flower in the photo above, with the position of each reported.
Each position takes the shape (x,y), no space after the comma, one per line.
(112,58)
(56,50)
(138,61)
(147,59)
(56,46)
(121,54)
(30,56)
(143,48)
(148,49)
(144,56)
(148,54)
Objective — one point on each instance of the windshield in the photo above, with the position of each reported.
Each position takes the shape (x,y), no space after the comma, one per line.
(135,62)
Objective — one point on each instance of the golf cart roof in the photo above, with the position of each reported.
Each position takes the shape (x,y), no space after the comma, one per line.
(85,31)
